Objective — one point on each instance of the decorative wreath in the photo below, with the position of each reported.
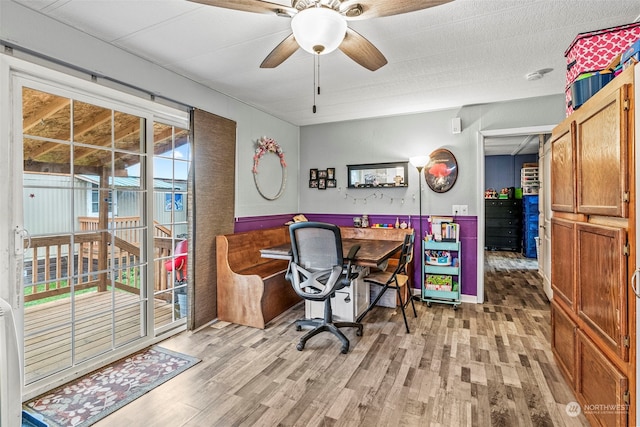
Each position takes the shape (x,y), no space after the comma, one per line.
(269,145)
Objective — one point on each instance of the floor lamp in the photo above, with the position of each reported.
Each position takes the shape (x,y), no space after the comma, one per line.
(419,162)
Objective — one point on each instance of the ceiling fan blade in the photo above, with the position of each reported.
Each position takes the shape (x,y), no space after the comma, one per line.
(256,6)
(362,51)
(284,50)
(376,8)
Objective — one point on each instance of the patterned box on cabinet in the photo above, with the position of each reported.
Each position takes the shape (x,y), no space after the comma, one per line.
(594,50)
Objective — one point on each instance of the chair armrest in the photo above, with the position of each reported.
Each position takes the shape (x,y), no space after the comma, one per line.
(349,273)
(352,252)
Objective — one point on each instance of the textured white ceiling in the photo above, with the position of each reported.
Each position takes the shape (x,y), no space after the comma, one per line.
(461,53)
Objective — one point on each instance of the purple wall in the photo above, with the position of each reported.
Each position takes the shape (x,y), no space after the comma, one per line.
(468,238)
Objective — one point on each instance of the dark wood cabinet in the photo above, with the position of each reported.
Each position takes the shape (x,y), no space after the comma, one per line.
(503,224)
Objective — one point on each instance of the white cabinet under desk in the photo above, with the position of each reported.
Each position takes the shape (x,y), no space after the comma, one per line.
(348,303)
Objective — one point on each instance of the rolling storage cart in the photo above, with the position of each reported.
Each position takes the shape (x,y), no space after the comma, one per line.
(441,272)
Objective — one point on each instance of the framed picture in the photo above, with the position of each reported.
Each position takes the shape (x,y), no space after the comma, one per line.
(331,173)
(322,184)
(322,174)
(331,183)
(442,171)
(313,183)
(313,174)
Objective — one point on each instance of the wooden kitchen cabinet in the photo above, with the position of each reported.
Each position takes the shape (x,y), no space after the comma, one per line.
(601,156)
(602,294)
(593,252)
(564,341)
(601,385)
(563,278)
(563,197)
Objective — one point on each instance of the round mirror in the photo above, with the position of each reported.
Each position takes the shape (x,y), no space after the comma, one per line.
(442,171)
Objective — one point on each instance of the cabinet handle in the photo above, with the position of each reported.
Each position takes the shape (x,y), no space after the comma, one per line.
(634,282)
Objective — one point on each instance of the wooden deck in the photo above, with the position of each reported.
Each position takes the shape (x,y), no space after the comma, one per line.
(48,329)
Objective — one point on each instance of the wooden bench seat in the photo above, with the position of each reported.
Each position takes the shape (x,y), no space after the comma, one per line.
(252,290)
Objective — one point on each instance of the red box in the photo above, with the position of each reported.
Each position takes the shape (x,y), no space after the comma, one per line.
(594,50)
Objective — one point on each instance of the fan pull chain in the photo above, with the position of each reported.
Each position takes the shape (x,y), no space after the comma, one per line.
(318,74)
(315,81)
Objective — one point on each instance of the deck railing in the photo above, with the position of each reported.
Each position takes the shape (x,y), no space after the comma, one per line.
(97,259)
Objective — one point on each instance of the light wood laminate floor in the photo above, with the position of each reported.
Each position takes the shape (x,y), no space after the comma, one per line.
(482,365)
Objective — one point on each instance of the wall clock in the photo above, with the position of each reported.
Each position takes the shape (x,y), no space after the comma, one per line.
(442,170)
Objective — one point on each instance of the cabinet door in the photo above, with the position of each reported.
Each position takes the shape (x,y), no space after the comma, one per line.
(563,169)
(602,294)
(601,157)
(563,278)
(564,341)
(600,386)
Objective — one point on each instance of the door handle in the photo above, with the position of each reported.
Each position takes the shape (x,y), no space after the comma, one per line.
(20,235)
(634,282)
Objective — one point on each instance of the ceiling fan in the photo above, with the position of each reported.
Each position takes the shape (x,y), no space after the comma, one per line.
(320,26)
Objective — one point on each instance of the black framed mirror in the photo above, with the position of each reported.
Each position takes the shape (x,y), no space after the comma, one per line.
(378,175)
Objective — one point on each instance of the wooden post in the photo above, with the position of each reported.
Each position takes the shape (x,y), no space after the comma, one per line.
(103,223)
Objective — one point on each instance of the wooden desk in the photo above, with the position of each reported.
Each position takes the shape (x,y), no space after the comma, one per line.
(371,254)
(351,301)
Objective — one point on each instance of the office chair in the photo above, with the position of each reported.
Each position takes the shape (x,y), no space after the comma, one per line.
(317,271)
(397,280)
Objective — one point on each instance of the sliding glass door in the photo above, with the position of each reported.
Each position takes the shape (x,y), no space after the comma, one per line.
(104,213)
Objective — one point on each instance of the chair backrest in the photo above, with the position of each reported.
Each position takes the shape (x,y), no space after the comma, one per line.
(406,254)
(317,264)
(179,263)
(316,245)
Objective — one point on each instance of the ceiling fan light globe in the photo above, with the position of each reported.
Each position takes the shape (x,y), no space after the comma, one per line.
(318,30)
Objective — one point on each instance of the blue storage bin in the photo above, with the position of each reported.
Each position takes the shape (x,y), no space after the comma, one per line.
(583,89)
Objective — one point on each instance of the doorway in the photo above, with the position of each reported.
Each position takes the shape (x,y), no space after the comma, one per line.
(504,142)
(97,234)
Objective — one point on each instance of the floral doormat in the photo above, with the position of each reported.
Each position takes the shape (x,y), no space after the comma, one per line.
(86,400)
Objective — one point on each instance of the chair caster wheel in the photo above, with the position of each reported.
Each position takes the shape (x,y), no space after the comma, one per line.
(455,307)
(298,328)
(428,303)
(359,333)
(300,346)
(344,349)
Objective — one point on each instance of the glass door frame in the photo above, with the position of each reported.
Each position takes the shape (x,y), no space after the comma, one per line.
(14,74)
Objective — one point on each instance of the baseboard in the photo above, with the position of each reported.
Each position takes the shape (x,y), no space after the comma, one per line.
(470,299)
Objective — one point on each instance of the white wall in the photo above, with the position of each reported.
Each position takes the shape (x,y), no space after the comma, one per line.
(400,137)
(52,39)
